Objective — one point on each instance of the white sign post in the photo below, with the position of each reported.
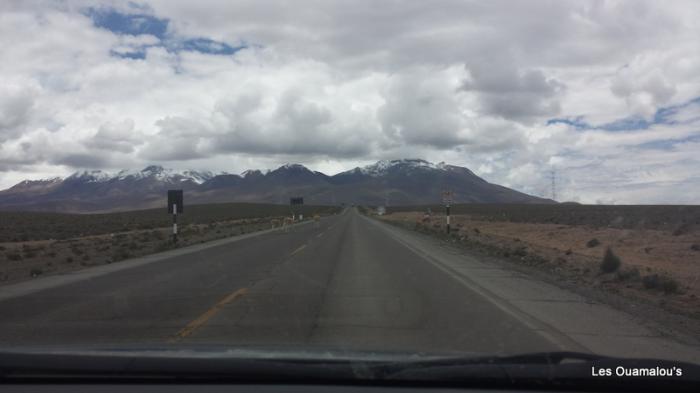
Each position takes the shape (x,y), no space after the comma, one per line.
(174,223)
(175,206)
(447,200)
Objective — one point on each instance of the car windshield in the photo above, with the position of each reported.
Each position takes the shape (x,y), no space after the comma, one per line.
(402,179)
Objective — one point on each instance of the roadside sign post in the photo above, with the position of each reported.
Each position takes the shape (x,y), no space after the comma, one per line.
(175,206)
(295,201)
(174,223)
(447,200)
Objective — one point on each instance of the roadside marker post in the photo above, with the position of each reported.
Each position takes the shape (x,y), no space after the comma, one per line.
(447,200)
(174,223)
(175,206)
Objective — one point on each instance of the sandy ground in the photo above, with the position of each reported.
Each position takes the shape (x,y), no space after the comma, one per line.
(565,249)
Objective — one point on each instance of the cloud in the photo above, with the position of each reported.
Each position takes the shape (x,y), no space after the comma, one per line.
(421,107)
(513,94)
(80,160)
(643,90)
(507,87)
(283,121)
(16,105)
(118,136)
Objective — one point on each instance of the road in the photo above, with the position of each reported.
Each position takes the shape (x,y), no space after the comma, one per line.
(348,282)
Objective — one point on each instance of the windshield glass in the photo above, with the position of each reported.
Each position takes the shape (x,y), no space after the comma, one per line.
(412,178)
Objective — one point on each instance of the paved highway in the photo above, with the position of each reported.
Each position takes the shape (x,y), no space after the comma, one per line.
(348,282)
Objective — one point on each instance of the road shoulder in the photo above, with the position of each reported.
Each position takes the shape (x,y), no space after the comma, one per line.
(563,314)
(43,283)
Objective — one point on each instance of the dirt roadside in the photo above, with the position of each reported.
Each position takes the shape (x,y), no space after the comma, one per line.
(657,278)
(20,261)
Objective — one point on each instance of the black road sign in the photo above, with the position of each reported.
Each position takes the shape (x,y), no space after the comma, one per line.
(175,199)
(296,201)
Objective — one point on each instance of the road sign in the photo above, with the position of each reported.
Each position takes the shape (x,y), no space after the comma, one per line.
(175,201)
(296,201)
(447,197)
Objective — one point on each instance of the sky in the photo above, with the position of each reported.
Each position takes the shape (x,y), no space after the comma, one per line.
(604,94)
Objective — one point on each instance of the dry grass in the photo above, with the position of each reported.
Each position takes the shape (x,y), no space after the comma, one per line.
(650,263)
(26,260)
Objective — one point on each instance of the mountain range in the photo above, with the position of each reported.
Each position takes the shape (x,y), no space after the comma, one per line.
(394,182)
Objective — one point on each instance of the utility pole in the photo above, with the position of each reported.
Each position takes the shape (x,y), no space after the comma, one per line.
(553,179)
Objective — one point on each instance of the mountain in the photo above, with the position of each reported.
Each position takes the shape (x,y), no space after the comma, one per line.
(396,182)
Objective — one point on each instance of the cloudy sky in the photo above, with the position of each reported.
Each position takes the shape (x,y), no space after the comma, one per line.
(605,92)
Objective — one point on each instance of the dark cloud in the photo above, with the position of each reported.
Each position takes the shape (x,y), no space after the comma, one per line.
(81,160)
(505,91)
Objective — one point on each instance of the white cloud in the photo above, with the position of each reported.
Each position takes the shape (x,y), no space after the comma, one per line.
(337,84)
(117,136)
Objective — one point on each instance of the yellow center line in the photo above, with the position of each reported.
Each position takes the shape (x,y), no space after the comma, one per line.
(303,246)
(202,319)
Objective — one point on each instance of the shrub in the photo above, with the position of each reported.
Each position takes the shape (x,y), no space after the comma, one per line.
(121,255)
(14,256)
(163,246)
(655,281)
(69,259)
(628,274)
(35,272)
(593,243)
(651,281)
(520,252)
(51,254)
(681,230)
(610,262)
(695,247)
(669,285)
(29,254)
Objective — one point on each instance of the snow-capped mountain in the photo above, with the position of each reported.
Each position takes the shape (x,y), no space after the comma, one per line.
(385,166)
(154,172)
(398,182)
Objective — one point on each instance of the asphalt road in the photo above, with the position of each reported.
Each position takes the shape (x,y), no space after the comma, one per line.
(345,282)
